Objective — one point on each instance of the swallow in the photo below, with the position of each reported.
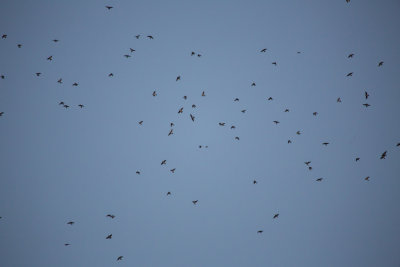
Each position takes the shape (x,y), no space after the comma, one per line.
(4,36)
(193,106)
(349,74)
(60,80)
(350,56)
(237,138)
(168,193)
(163,162)
(357,159)
(380,63)
(339,100)
(192,117)
(120,258)
(274,63)
(260,231)
(109,7)
(319,179)
(132,50)
(38,74)
(109,236)
(298,132)
(315,113)
(80,105)
(286,110)
(178,78)
(289,141)
(366,105)
(172,170)
(154,93)
(325,143)
(194,202)
(70,222)
(66,106)
(137,36)
(243,111)
(110,216)
(127,56)
(150,37)
(276,122)
(233,127)
(366,178)
(138,172)
(236,99)
(222,124)
(263,50)
(50,58)
(180,110)
(75,84)
(171,132)
(19,45)
(140,122)
(383,156)
(270,98)
(253,84)
(61,103)
(111,75)
(203,94)
(276,216)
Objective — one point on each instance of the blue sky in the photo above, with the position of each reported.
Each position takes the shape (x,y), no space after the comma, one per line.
(59,165)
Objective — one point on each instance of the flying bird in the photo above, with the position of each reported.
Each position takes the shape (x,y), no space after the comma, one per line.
(192,117)
(254,182)
(398,144)
(366,105)
(222,124)
(56,41)
(38,74)
(120,258)
(140,122)
(61,103)
(347,1)
(263,50)
(50,58)
(274,63)
(178,78)
(70,222)
(66,106)
(80,105)
(184,97)
(138,172)
(307,163)
(286,110)
(357,159)
(2,76)
(193,53)
(243,111)
(276,215)
(59,80)
(315,113)
(19,45)
(253,84)
(66,244)
(203,94)
(380,63)
(193,106)
(137,36)
(236,99)
(366,95)
(349,74)
(172,124)
(383,156)
(289,141)
(319,179)
(173,170)
(350,56)
(339,100)
(180,110)
(132,50)
(1,113)
(168,193)
(127,56)
(366,178)
(260,231)
(276,122)
(171,132)
(194,202)
(75,84)
(111,75)
(4,36)
(154,93)
(298,132)
(109,236)
(237,138)
(325,143)
(163,162)
(233,127)
(110,216)
(109,7)
(150,37)
(270,98)
(198,55)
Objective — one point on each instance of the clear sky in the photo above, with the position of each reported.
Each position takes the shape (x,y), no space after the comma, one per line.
(77,164)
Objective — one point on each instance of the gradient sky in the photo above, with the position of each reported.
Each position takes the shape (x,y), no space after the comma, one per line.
(59,165)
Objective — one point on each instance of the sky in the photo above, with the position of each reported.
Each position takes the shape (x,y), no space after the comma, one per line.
(77,164)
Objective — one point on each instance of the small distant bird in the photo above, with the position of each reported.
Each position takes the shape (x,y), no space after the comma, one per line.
(286,110)
(2,76)
(1,114)
(150,37)
(253,84)
(270,98)
(163,162)
(194,202)
(61,103)
(138,172)
(109,236)
(236,99)
(137,36)
(357,159)
(132,50)
(349,74)
(274,63)
(171,132)
(366,105)
(325,143)
(298,52)
(254,182)
(315,113)
(168,193)
(80,105)
(193,106)
(307,163)
(263,50)
(127,56)
(38,74)
(154,93)
(260,231)
(120,258)
(66,244)
(184,97)
(222,124)
(276,215)
(339,100)
(180,110)
(75,84)
(70,222)
(111,75)
(19,45)
(243,111)
(203,94)
(380,63)
(66,106)
(233,127)
(192,117)
(172,124)
(55,40)
(109,7)
(237,138)
(193,53)
(398,144)
(310,168)
(60,80)
(50,58)
(178,78)
(140,122)
(383,156)
(319,179)
(350,56)
(172,170)
(198,55)
(200,146)
(298,132)
(110,216)
(289,141)
(276,122)
(4,36)
(347,1)
(366,178)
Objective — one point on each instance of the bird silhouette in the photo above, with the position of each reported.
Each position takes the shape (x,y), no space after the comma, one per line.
(109,7)
(81,106)
(19,45)
(120,258)
(243,111)
(307,163)
(50,58)
(163,162)
(75,84)
(298,132)
(67,244)
(263,50)
(315,113)
(274,63)
(319,179)
(180,110)
(195,202)
(198,55)
(193,106)
(172,124)
(366,178)
(253,84)
(254,182)
(178,78)
(398,144)
(168,193)
(325,143)
(383,156)
(366,95)
(286,110)
(233,127)
(38,74)
(366,105)
(1,113)
(110,216)
(127,56)
(222,124)
(4,36)
(192,117)
(349,74)
(380,63)
(276,122)
(276,215)
(109,236)
(66,106)
(138,172)
(339,100)
(270,98)
(154,93)
(347,1)
(137,36)
(132,50)
(60,80)
(203,94)
(170,132)
(56,40)
(140,122)
(236,99)
(173,170)
(111,75)
(70,222)
(61,103)
(260,231)
(289,141)
(2,76)
(184,97)
(350,56)
(150,37)
(193,53)
(357,159)
(237,138)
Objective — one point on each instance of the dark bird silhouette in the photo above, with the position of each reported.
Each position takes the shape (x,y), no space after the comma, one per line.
(276,122)
(109,236)
(298,132)
(193,53)
(366,105)
(132,50)
(184,97)
(195,202)
(350,56)
(286,110)
(366,95)
(172,124)
(192,117)
(178,78)
(154,93)
(193,106)
(398,144)
(137,36)
(270,98)
(66,106)
(276,215)
(111,75)
(168,193)
(289,141)
(173,170)
(236,99)
(254,182)
(319,179)
(110,216)
(310,168)
(1,113)
(383,156)
(380,63)
(237,138)
(180,110)
(263,50)
(347,1)
(4,36)
(243,111)
(59,80)
(150,37)
(2,76)
(66,244)
(233,127)
(19,45)
(38,74)
(307,163)
(198,55)
(315,113)
(274,63)
(61,103)
(260,231)
(349,74)
(253,84)
(138,172)
(127,56)
(75,84)
(56,40)
(366,178)
(339,100)
(163,162)
(203,94)
(70,222)
(357,159)
(140,122)
(325,143)
(222,124)
(109,7)
(50,58)
(171,132)
(80,105)
(120,258)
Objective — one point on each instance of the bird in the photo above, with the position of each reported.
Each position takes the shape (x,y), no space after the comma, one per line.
(398,144)
(339,100)
(233,127)
(237,138)
(383,156)
(307,163)
(163,162)
(60,80)
(127,56)
(178,78)
(75,84)
(236,99)
(4,36)
(253,84)
(61,103)
(154,93)
(380,63)
(19,45)
(138,172)
(366,95)
(193,106)
(274,63)
(1,113)
(193,53)
(315,113)
(132,50)
(192,117)
(260,231)
(137,36)
(319,179)
(172,170)
(180,110)
(150,37)
(203,94)
(254,182)
(357,159)
(120,258)
(66,244)
(38,74)
(310,168)
(347,1)
(109,7)
(298,132)
(198,55)
(56,40)
(140,122)
(170,132)
(111,75)
(66,106)
(168,193)
(263,50)
(70,222)
(194,202)
(366,105)
(243,111)
(222,124)
(109,236)
(172,124)
(184,97)
(289,141)
(276,122)
(80,105)
(50,58)
(270,98)
(276,215)
(110,216)
(325,143)
(350,56)
(349,74)
(366,178)
(286,110)
(200,146)
(2,76)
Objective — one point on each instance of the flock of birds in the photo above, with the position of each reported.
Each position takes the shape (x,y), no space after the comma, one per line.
(192,117)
